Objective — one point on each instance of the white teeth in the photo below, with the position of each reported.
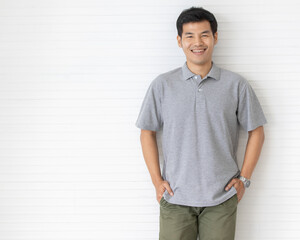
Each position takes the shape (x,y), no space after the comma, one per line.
(198,50)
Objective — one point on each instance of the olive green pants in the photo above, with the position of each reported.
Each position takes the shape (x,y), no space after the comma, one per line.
(180,222)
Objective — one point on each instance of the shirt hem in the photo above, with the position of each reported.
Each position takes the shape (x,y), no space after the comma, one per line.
(205,204)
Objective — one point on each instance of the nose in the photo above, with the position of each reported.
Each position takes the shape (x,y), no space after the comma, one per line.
(199,41)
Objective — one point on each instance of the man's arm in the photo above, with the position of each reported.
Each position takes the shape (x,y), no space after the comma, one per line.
(254,145)
(255,142)
(150,153)
(151,156)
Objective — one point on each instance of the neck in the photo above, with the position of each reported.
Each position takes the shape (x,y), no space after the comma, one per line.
(201,70)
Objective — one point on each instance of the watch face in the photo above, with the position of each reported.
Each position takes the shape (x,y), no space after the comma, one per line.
(247,184)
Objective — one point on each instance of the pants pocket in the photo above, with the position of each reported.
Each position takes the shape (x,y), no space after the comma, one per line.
(231,201)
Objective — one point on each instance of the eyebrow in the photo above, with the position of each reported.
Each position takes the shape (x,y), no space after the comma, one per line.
(206,31)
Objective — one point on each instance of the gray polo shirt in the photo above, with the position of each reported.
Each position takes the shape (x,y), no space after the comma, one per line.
(200,120)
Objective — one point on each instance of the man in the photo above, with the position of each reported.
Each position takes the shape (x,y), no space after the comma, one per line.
(199,107)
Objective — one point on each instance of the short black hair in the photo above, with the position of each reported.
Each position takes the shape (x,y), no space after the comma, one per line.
(196,14)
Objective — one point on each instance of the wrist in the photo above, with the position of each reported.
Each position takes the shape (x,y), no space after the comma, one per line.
(245,181)
(157,180)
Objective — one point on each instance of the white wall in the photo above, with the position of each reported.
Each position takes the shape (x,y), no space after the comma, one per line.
(73,74)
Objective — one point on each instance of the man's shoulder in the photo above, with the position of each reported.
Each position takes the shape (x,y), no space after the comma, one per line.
(171,74)
(232,76)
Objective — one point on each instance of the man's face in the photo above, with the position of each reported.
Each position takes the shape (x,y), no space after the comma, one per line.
(197,36)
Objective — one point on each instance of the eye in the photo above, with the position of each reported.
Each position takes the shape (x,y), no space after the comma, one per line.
(204,35)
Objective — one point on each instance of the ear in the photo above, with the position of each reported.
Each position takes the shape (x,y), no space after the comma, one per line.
(179,41)
(215,38)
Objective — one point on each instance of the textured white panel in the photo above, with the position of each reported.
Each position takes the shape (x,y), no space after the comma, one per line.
(73,75)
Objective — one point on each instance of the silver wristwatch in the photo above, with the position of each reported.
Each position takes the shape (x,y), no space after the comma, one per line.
(245,181)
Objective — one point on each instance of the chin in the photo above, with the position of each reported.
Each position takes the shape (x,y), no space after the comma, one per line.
(199,62)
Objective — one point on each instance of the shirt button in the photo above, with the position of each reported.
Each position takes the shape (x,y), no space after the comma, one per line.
(195,77)
(199,89)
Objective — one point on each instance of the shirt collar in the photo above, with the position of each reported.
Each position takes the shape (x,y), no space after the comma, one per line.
(213,73)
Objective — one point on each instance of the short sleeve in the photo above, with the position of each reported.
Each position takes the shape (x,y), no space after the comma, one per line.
(249,113)
(150,115)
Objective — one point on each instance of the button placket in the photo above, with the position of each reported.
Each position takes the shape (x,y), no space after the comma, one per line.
(199,85)
(200,89)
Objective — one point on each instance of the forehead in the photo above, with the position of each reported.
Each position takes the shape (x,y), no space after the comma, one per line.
(196,26)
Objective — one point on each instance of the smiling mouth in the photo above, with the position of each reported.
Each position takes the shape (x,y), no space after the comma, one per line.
(198,51)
